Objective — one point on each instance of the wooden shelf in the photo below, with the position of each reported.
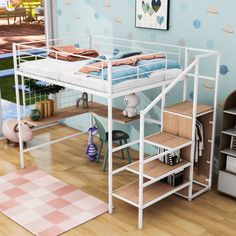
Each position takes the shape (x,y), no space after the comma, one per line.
(156,191)
(226,180)
(95,108)
(156,169)
(59,115)
(229,151)
(231,111)
(167,141)
(231,131)
(186,109)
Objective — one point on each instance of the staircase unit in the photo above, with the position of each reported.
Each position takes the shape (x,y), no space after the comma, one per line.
(177,133)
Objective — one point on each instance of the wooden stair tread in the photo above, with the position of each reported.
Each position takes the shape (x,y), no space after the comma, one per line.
(186,108)
(150,193)
(156,168)
(167,140)
(95,108)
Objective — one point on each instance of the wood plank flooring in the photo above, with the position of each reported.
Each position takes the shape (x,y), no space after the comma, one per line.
(211,214)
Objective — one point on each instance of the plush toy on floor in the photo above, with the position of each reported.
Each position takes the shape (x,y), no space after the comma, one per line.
(131,102)
(91,150)
(10,132)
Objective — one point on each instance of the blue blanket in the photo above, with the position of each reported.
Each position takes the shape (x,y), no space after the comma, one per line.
(143,69)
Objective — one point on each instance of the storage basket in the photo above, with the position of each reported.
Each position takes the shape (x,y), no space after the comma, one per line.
(231,164)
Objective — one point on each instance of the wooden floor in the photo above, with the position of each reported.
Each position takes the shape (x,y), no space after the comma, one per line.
(208,215)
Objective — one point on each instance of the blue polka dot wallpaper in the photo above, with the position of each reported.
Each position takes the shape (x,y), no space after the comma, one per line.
(209,24)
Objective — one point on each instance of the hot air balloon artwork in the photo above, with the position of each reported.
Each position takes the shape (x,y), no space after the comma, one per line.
(152,14)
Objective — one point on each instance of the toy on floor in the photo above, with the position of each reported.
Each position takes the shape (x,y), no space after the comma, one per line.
(131,102)
(10,132)
(91,150)
(83,100)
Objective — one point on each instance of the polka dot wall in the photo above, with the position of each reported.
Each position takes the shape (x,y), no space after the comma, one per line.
(204,23)
(209,24)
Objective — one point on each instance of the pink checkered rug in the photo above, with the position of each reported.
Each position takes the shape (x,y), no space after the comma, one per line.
(43,204)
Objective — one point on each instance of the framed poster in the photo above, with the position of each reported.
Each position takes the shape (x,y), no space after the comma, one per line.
(152,14)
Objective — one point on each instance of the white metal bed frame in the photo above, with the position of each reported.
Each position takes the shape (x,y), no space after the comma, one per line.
(182,53)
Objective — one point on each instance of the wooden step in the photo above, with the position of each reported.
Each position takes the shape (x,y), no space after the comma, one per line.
(186,109)
(152,193)
(167,141)
(157,169)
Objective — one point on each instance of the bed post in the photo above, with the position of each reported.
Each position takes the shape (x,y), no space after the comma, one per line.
(214,117)
(141,169)
(18,107)
(110,103)
(91,114)
(23,94)
(186,59)
(194,119)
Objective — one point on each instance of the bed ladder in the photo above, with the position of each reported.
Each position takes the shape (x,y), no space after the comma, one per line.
(177,133)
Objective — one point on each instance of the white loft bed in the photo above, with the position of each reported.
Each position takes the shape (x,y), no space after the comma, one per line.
(66,72)
(63,73)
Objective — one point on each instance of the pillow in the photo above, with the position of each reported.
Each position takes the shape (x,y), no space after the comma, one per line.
(102,57)
(157,64)
(77,45)
(116,51)
(124,55)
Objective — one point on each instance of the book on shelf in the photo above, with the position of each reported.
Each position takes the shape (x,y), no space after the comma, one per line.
(40,107)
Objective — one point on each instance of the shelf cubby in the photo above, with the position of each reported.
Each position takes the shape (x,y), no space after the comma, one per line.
(231,111)
(229,151)
(230,131)
(227,180)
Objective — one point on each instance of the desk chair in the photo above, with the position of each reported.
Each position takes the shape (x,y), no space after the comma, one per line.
(117,136)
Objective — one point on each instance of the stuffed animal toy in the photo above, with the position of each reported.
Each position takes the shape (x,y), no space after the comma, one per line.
(10,131)
(131,102)
(91,150)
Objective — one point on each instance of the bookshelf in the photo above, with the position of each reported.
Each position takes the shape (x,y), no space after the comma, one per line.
(227,179)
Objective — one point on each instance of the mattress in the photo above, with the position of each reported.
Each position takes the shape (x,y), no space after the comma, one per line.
(67,72)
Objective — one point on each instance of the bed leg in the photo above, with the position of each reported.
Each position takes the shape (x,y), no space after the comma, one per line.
(22,164)
(19,122)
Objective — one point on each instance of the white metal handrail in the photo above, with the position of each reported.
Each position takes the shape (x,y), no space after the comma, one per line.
(182,77)
(165,91)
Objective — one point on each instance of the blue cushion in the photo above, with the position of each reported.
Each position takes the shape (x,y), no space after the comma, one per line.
(157,64)
(124,55)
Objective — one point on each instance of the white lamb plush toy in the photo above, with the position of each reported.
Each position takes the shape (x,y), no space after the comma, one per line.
(131,102)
